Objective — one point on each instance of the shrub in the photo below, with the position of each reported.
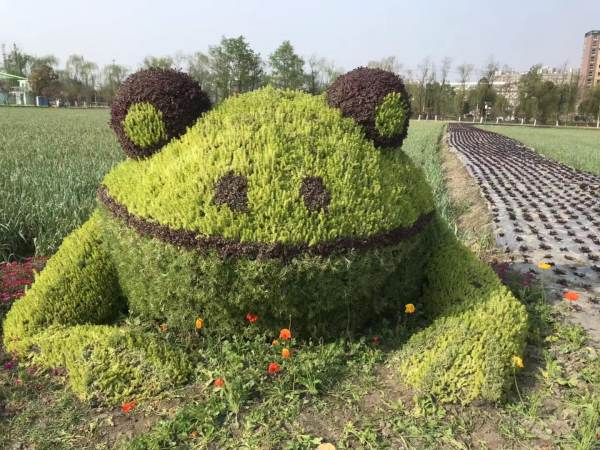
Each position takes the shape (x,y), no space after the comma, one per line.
(106,363)
(320,296)
(477,327)
(377,100)
(174,94)
(77,286)
(144,125)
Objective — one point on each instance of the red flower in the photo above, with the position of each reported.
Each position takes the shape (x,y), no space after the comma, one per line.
(252,318)
(285,334)
(571,296)
(274,368)
(219,383)
(376,340)
(126,407)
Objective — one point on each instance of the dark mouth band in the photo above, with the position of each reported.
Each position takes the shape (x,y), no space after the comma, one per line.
(229,248)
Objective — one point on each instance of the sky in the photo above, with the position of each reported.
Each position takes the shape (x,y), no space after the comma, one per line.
(518,33)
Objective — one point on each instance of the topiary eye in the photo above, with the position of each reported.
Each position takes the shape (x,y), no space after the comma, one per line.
(232,190)
(377,100)
(144,125)
(154,106)
(316,197)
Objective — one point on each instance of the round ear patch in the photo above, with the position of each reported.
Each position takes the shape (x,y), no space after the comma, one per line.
(153,106)
(377,100)
(391,116)
(144,125)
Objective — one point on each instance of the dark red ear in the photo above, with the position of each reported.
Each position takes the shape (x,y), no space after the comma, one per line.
(377,100)
(164,102)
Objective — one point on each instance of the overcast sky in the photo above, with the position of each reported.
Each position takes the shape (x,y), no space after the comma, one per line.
(519,33)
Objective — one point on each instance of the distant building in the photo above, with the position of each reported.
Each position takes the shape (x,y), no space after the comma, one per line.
(590,64)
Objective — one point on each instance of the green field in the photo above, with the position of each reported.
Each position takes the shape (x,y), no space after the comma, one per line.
(575,148)
(51,162)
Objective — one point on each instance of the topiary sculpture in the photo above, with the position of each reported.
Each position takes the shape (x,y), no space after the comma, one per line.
(276,203)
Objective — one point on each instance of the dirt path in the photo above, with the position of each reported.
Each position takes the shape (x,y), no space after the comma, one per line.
(542,212)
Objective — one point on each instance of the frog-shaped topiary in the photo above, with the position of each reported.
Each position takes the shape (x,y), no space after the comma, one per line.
(297,209)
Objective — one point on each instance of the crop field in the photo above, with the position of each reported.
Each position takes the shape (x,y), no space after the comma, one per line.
(576,148)
(345,392)
(51,162)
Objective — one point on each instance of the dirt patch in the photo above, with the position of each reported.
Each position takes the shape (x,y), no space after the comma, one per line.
(471,211)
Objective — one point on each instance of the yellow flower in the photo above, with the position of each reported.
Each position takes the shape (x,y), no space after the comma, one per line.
(544,266)
(199,324)
(517,362)
(285,353)
(409,308)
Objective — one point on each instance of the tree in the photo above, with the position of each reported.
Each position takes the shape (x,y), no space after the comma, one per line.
(41,79)
(161,62)
(464,73)
(235,66)
(15,62)
(538,99)
(590,105)
(287,67)
(199,68)
(389,63)
(321,73)
(112,77)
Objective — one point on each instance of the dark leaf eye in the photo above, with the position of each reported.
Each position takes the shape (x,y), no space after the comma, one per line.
(232,190)
(314,194)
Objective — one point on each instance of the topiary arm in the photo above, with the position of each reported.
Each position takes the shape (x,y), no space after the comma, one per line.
(58,323)
(78,285)
(478,325)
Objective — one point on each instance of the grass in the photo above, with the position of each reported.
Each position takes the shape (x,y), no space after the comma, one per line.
(575,148)
(343,392)
(51,163)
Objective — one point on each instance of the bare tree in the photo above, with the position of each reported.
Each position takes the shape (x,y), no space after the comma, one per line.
(389,63)
(490,70)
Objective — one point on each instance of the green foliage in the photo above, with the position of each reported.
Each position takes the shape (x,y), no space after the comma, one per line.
(577,148)
(275,139)
(52,162)
(391,115)
(287,67)
(144,125)
(77,286)
(316,296)
(477,326)
(110,364)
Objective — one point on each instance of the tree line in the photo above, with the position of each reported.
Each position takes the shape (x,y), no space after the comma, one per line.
(233,67)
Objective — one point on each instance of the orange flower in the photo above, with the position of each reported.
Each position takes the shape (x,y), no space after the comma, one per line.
(252,318)
(164,327)
(274,368)
(219,383)
(126,407)
(285,353)
(409,308)
(199,324)
(194,434)
(285,334)
(572,296)
(275,343)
